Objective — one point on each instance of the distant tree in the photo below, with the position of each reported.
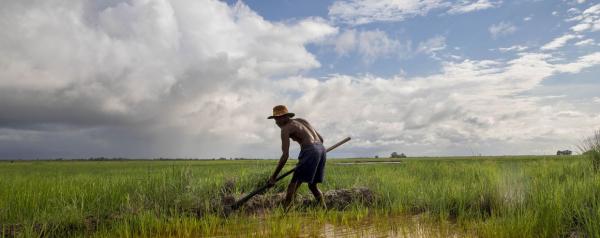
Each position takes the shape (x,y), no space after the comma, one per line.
(564,152)
(377,157)
(396,155)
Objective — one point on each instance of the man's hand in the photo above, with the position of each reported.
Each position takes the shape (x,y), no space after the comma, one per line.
(271,182)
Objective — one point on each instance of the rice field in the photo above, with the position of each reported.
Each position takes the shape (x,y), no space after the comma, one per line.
(512,196)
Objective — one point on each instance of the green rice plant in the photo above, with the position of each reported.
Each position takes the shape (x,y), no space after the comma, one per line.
(511,196)
(590,147)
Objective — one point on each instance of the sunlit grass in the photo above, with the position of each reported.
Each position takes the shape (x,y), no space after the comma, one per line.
(487,197)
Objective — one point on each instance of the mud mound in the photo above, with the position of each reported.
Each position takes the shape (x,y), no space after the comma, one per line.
(228,187)
(338,199)
(335,199)
(343,198)
(262,202)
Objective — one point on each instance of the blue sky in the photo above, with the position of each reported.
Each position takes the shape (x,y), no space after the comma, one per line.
(466,35)
(197,78)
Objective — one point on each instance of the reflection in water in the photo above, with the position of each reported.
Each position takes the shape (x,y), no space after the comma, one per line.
(391,227)
(368,226)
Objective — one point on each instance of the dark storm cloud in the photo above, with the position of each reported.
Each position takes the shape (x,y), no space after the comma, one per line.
(141,78)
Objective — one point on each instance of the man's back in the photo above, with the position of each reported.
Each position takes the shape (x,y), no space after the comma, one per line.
(302,132)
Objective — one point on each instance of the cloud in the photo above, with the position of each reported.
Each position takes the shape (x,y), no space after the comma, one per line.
(588,20)
(198,78)
(346,42)
(582,63)
(502,29)
(358,12)
(470,103)
(585,42)
(143,78)
(529,18)
(432,45)
(517,48)
(374,44)
(559,42)
(466,6)
(370,45)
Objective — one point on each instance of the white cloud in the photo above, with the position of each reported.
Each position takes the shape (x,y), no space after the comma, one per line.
(517,48)
(375,44)
(589,20)
(554,13)
(346,42)
(595,9)
(502,29)
(596,99)
(581,27)
(365,11)
(370,45)
(585,42)
(573,11)
(559,42)
(527,18)
(469,103)
(432,45)
(465,6)
(582,63)
(357,12)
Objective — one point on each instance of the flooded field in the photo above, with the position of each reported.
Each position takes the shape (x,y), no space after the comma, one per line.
(370,226)
(456,197)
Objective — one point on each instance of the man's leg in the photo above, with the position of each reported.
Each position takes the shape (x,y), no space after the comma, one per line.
(291,193)
(318,195)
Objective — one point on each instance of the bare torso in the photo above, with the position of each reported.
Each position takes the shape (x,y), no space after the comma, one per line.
(301,131)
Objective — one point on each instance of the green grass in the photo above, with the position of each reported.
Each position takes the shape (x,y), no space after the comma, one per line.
(510,196)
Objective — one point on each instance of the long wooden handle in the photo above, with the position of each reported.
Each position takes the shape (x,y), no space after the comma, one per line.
(243,200)
(338,144)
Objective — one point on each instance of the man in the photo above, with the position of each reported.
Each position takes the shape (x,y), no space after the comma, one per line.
(312,157)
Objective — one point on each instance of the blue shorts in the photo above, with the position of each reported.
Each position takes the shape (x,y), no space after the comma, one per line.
(311,165)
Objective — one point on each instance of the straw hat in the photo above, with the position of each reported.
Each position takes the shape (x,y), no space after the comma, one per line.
(281,110)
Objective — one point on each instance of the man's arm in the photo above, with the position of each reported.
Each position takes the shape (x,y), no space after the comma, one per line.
(285,153)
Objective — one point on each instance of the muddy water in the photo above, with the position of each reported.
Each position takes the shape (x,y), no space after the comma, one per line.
(394,226)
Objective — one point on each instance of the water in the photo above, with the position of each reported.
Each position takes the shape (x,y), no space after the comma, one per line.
(369,226)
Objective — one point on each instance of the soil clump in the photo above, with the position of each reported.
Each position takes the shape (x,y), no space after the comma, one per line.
(338,199)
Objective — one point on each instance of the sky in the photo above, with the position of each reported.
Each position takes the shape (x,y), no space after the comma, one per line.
(198,78)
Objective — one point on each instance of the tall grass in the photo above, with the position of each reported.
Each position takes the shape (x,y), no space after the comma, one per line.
(590,147)
(488,197)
